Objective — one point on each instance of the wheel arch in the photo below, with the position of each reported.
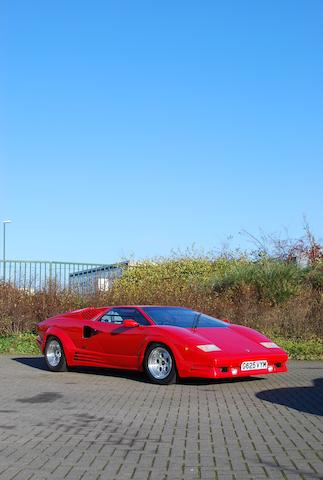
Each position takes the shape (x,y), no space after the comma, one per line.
(67,344)
(161,341)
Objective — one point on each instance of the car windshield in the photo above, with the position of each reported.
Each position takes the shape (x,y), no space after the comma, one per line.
(182,317)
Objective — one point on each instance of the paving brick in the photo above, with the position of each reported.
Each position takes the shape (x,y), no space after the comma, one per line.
(105,426)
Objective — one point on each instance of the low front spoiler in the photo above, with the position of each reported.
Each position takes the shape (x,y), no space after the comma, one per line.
(230,367)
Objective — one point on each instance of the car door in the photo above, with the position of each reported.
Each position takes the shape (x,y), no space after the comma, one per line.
(117,344)
(85,337)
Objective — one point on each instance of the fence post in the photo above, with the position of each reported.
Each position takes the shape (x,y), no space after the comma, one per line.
(50,276)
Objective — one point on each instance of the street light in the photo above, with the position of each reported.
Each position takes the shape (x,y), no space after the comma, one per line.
(4,248)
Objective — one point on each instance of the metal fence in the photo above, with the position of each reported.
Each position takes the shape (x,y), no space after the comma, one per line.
(36,275)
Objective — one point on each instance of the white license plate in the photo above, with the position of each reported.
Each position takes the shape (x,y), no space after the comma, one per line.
(255,365)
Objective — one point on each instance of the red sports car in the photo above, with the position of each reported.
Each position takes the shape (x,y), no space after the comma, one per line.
(164,342)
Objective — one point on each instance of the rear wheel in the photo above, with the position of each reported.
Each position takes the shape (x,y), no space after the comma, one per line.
(54,355)
(160,365)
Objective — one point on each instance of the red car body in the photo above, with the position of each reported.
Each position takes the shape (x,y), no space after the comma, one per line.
(88,341)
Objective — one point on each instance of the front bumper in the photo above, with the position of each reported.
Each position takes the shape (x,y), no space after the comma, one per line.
(230,367)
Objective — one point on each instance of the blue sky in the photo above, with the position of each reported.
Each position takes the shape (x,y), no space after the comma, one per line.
(130,128)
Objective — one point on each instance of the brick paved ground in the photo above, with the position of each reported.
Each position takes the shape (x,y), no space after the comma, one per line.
(85,425)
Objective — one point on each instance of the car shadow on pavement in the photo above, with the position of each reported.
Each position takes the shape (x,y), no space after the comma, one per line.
(217,381)
(110,372)
(39,363)
(289,472)
(303,399)
(34,362)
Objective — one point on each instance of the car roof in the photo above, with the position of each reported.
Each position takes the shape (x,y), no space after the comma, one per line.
(144,306)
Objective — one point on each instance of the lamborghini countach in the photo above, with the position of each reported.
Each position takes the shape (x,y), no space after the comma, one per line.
(165,342)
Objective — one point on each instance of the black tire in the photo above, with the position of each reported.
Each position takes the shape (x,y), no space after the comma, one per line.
(165,363)
(54,355)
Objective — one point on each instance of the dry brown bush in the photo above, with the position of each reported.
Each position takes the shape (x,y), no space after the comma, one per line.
(183,282)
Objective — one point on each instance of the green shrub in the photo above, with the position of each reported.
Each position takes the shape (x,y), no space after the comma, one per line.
(271,281)
(314,277)
(311,349)
(23,343)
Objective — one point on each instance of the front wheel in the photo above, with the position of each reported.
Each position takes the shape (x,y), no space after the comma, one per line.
(159,364)
(54,355)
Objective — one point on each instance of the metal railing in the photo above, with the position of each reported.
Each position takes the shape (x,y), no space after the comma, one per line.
(32,275)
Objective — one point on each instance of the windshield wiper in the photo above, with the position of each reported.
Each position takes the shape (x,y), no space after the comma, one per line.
(196,321)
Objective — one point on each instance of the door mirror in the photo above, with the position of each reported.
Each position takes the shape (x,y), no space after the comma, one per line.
(128,323)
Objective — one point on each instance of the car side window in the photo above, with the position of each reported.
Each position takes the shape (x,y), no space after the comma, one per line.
(112,317)
(118,315)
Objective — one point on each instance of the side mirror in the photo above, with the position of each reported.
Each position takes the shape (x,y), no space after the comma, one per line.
(128,323)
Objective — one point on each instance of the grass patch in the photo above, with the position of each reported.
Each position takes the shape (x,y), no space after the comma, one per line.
(22,343)
(311,349)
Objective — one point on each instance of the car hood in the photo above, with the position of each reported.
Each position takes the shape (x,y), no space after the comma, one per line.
(234,339)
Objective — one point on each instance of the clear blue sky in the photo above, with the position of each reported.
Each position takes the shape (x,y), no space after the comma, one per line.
(135,127)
